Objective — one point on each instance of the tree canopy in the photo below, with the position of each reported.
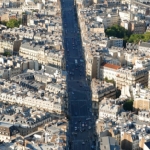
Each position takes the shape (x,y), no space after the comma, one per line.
(7,53)
(121,32)
(117,31)
(110,81)
(128,105)
(135,38)
(13,23)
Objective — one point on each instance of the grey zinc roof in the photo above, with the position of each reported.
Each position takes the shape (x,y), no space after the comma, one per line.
(35,47)
(110,143)
(145,44)
(50,69)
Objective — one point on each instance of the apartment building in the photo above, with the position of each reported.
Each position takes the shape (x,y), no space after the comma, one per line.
(115,133)
(6,72)
(40,77)
(32,51)
(116,42)
(32,102)
(43,54)
(100,90)
(23,121)
(96,27)
(22,33)
(126,1)
(6,16)
(129,132)
(110,20)
(137,27)
(30,5)
(56,88)
(93,61)
(7,131)
(14,65)
(144,47)
(108,143)
(141,98)
(119,54)
(124,23)
(126,15)
(143,115)
(108,71)
(9,43)
(110,109)
(132,139)
(142,62)
(129,140)
(128,76)
(28,92)
(56,58)
(132,46)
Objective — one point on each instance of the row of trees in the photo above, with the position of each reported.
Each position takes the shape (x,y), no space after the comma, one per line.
(135,38)
(12,23)
(121,32)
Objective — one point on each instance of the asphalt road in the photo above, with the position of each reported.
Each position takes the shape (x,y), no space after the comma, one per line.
(81,122)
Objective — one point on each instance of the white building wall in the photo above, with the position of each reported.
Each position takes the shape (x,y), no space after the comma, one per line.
(31,102)
(109,73)
(145,147)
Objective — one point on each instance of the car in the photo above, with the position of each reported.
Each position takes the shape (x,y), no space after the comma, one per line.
(88,118)
(75,128)
(83,142)
(89,127)
(92,147)
(74,133)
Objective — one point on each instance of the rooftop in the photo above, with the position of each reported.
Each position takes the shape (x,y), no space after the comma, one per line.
(112,66)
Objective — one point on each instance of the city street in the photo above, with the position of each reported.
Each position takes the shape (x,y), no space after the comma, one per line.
(81,122)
